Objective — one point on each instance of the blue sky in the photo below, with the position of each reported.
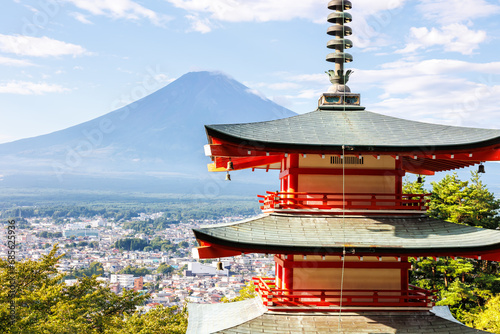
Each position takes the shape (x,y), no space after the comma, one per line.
(63,62)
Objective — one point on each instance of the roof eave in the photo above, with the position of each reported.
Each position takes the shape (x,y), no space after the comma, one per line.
(289,147)
(490,252)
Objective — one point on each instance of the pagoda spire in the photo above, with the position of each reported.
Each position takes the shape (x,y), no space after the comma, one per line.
(339,30)
(339,96)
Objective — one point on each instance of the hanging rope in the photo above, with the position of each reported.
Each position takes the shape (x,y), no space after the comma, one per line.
(343,208)
(339,329)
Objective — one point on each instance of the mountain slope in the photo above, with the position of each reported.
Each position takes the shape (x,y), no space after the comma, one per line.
(159,135)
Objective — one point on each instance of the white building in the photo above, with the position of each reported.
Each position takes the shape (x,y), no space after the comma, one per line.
(196,268)
(125,280)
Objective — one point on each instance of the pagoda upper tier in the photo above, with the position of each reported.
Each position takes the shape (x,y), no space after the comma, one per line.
(422,148)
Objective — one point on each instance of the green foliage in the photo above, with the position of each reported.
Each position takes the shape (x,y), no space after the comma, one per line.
(95,268)
(414,187)
(46,305)
(488,318)
(161,244)
(176,208)
(149,226)
(49,235)
(156,244)
(247,292)
(131,244)
(159,320)
(137,272)
(165,269)
(94,244)
(465,202)
(465,285)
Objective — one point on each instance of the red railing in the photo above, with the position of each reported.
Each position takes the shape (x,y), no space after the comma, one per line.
(330,300)
(361,202)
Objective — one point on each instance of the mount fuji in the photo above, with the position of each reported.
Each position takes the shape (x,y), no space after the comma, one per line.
(153,144)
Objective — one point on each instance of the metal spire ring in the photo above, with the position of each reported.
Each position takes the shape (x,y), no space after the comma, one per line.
(339,43)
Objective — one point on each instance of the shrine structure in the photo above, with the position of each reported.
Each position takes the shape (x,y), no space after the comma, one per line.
(340,228)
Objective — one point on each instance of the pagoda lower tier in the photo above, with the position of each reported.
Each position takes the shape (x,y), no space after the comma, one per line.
(329,263)
(331,235)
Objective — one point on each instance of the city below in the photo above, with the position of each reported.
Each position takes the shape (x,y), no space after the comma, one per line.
(170,274)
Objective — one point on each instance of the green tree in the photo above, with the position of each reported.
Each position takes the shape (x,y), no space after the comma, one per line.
(131,244)
(464,202)
(465,285)
(165,269)
(137,272)
(44,304)
(414,187)
(95,268)
(489,318)
(159,320)
(247,292)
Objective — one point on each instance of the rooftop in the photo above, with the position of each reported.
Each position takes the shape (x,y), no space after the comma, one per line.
(416,235)
(359,130)
(249,316)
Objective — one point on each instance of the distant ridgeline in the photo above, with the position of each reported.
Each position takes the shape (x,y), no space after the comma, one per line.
(153,144)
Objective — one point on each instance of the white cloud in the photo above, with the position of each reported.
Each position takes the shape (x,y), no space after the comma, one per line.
(276,10)
(432,91)
(81,18)
(284,86)
(310,77)
(454,37)
(38,46)
(276,86)
(120,9)
(256,10)
(199,24)
(438,90)
(163,79)
(14,62)
(455,11)
(257,93)
(30,88)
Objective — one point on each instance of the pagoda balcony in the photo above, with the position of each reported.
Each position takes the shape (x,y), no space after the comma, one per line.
(349,203)
(314,300)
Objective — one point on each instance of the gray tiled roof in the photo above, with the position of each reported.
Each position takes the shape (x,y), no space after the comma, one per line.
(356,129)
(352,323)
(250,316)
(408,234)
(210,318)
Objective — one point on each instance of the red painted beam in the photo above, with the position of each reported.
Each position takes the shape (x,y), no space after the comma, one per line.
(247,162)
(340,171)
(210,252)
(340,264)
(245,148)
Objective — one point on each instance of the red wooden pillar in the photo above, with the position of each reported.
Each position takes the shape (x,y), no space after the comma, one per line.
(399,178)
(278,274)
(293,178)
(283,180)
(288,273)
(404,275)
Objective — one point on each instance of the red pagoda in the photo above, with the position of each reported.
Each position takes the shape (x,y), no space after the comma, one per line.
(340,228)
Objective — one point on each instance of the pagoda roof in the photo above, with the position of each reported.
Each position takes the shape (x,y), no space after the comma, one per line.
(357,130)
(249,316)
(353,323)
(361,235)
